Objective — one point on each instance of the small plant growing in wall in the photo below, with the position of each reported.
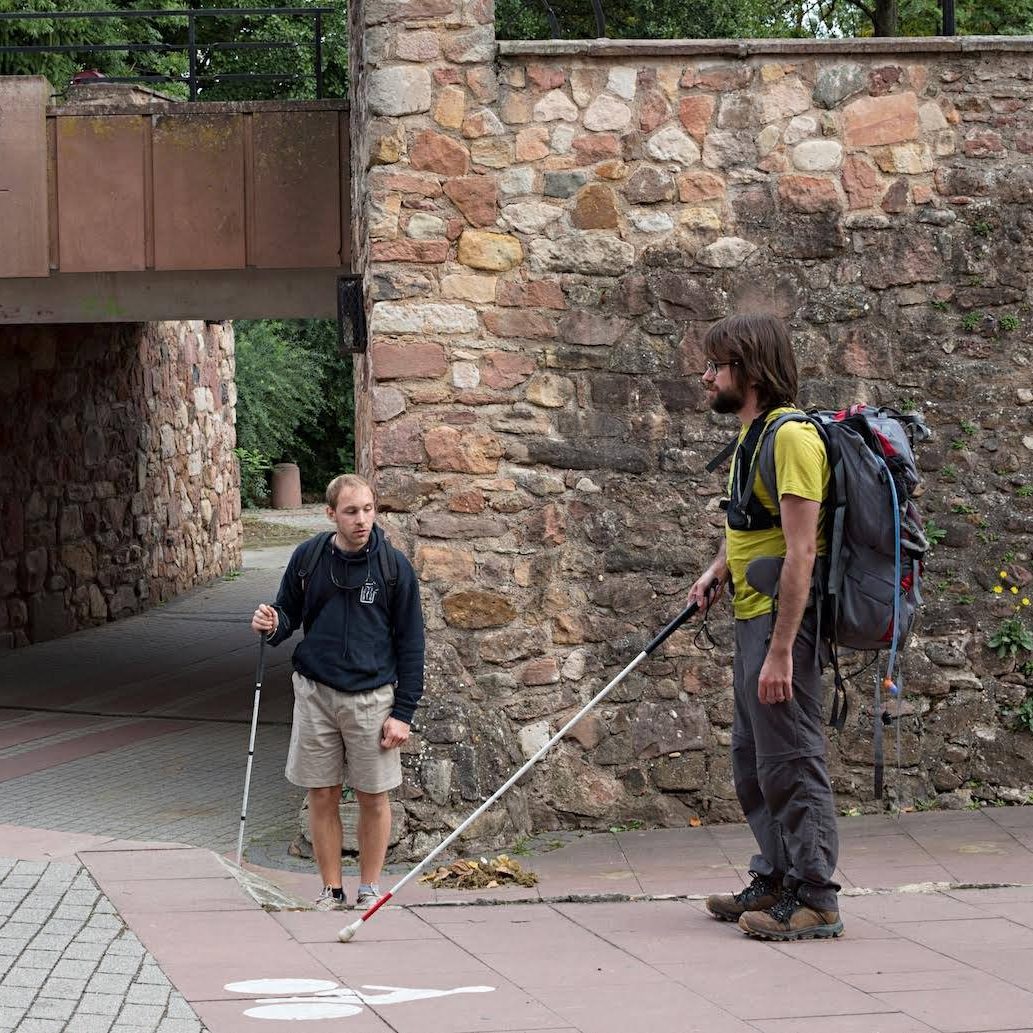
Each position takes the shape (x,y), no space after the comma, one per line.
(971,320)
(1024,714)
(933,532)
(982,228)
(1008,322)
(949,472)
(1011,637)
(1024,491)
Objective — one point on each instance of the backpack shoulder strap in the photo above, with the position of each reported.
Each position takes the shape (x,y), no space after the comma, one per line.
(765,462)
(387,556)
(310,552)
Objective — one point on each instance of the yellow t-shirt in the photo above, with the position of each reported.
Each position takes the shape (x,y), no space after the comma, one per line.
(801,468)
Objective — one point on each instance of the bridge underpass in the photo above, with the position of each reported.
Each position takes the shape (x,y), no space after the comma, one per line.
(126,217)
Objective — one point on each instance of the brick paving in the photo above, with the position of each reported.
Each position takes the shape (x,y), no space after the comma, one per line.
(70,964)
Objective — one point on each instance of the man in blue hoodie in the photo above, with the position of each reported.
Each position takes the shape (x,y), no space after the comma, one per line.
(358,677)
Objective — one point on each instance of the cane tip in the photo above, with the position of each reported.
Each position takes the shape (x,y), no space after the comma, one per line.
(346,934)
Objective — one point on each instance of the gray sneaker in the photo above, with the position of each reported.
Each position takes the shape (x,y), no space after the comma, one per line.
(326,901)
(368,896)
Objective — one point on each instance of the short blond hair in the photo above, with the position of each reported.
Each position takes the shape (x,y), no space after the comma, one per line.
(346,480)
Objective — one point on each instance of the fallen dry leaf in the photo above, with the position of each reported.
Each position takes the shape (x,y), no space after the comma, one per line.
(488,873)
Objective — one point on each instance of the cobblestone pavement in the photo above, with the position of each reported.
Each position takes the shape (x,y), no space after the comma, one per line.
(69,963)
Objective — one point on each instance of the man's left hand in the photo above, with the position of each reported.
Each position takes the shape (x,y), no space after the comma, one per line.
(395,733)
(775,684)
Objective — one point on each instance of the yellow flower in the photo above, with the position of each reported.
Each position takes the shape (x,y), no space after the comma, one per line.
(1013,590)
(1025,601)
(997,590)
(1004,574)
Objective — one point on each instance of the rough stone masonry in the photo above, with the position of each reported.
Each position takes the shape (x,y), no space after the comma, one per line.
(546,231)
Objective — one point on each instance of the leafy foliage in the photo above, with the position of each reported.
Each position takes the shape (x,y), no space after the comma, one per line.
(294,402)
(1010,637)
(640,19)
(296,62)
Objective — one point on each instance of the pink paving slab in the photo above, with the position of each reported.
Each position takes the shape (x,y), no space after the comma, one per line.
(157,864)
(760,985)
(28,844)
(666,1008)
(1002,1007)
(168,896)
(389,923)
(201,953)
(888,1022)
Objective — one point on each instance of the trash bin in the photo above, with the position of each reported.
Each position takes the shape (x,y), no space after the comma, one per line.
(286,490)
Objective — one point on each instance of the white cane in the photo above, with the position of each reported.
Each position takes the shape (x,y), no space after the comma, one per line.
(251,745)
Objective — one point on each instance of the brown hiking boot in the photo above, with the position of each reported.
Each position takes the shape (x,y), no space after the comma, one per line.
(761,894)
(791,919)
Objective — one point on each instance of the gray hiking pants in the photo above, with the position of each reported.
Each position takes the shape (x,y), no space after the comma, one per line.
(778,762)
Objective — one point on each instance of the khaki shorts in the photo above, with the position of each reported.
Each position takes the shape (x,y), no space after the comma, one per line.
(335,739)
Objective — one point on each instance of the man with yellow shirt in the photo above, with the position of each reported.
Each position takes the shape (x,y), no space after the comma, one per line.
(778,743)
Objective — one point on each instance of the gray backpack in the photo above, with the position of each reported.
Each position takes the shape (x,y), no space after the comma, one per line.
(868,585)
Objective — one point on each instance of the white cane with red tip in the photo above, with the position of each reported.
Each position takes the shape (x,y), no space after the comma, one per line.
(349,931)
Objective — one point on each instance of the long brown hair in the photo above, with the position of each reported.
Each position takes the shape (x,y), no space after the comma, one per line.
(761,350)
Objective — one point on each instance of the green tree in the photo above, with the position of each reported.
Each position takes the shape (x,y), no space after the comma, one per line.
(295,401)
(907,17)
(86,33)
(641,19)
(227,45)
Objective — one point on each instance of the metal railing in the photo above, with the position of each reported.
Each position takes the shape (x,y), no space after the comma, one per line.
(557,30)
(199,52)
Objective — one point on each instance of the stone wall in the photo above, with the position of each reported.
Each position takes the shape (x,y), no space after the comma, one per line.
(118,484)
(551,230)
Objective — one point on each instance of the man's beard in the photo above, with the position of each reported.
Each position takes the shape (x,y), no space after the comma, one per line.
(730,400)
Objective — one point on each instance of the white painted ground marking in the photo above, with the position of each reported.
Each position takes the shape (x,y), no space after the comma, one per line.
(327,1000)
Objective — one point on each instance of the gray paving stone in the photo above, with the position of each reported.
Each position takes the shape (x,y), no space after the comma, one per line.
(82,1023)
(52,1008)
(45,941)
(141,1015)
(73,912)
(33,958)
(150,973)
(171,1025)
(123,963)
(71,968)
(31,867)
(18,976)
(16,996)
(31,915)
(83,951)
(127,943)
(179,1008)
(10,1017)
(109,983)
(142,993)
(31,1025)
(68,989)
(100,1004)
(60,927)
(16,881)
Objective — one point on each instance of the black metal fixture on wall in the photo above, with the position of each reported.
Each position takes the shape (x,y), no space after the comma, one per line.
(949,26)
(351,315)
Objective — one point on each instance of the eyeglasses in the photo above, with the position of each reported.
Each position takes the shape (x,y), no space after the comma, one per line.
(712,367)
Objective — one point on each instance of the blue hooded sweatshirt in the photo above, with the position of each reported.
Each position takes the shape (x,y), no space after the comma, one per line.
(356,639)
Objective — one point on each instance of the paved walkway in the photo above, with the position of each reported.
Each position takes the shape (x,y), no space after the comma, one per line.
(121,759)
(953,957)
